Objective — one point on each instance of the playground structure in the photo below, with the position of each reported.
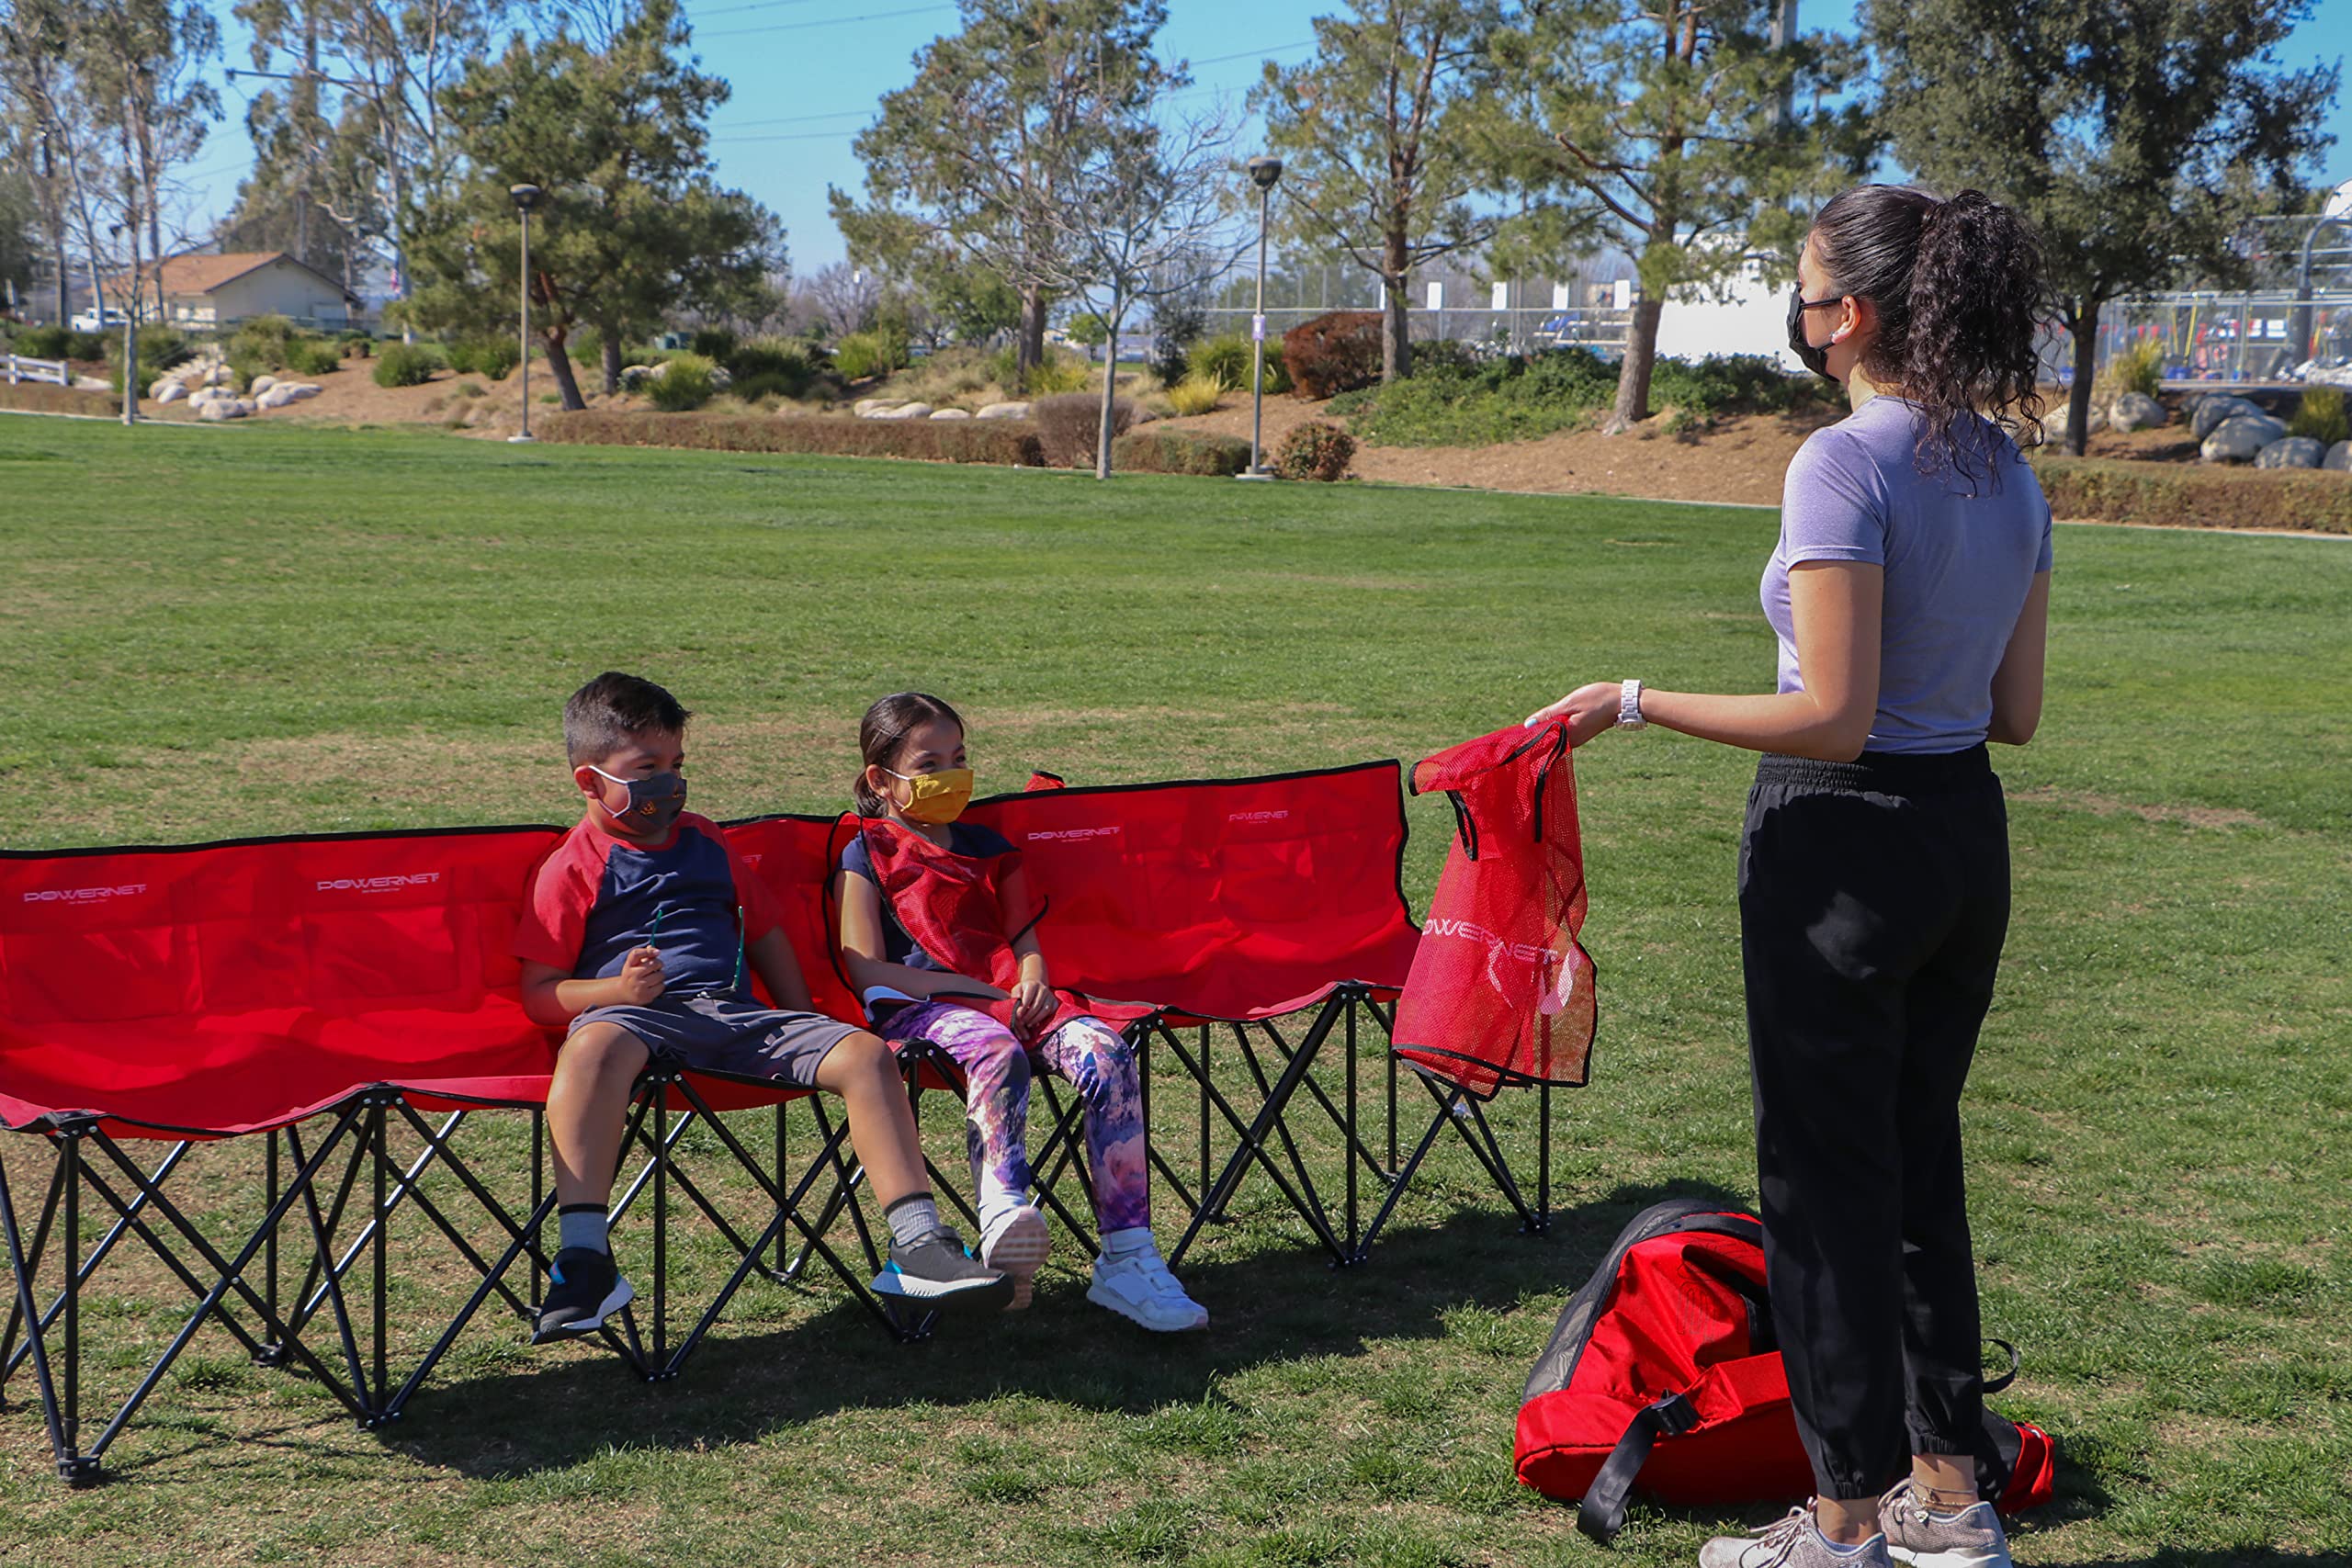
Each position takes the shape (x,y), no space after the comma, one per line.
(2287,323)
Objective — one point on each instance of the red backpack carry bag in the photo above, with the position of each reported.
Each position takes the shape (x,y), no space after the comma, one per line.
(1664,1375)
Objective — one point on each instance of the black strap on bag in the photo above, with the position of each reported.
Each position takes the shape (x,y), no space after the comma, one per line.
(1601,1514)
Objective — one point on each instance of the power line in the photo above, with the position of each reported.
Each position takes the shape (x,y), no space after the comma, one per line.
(829,22)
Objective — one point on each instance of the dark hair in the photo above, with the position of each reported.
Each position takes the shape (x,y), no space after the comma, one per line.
(613,709)
(1959,296)
(882,734)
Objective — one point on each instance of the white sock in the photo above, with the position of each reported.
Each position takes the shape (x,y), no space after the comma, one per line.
(1122,1243)
(582,1224)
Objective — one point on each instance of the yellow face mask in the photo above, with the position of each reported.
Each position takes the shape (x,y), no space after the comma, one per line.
(935,798)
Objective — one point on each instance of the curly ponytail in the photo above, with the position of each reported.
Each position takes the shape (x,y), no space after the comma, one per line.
(1959,296)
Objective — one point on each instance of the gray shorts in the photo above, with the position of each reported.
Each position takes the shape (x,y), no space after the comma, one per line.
(721,1032)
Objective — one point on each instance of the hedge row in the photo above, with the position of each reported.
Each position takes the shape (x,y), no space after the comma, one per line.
(1012,442)
(1155,451)
(43,397)
(2183,495)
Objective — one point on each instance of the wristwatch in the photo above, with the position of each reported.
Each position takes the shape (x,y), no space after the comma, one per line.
(1629,706)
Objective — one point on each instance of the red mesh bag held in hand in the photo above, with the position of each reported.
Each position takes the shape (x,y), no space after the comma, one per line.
(1501,992)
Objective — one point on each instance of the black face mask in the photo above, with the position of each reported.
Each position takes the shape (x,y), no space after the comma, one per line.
(1815,359)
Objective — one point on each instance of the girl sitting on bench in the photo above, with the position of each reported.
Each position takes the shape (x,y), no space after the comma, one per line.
(939,936)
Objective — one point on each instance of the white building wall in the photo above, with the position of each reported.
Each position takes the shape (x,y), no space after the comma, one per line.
(280,288)
(1750,318)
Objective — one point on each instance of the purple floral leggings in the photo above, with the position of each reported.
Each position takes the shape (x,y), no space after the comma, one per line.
(1086,1052)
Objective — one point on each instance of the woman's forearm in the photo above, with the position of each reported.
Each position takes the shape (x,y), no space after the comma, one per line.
(1793,723)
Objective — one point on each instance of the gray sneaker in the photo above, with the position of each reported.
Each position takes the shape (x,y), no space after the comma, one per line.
(1917,1534)
(1795,1541)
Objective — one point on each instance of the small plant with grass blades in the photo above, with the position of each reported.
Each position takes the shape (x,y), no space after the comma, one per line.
(1196,393)
(407,364)
(1316,451)
(1056,374)
(2138,368)
(688,383)
(2321,415)
(861,356)
(1229,359)
(467,389)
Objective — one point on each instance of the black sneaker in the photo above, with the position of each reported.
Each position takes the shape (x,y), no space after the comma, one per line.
(583,1288)
(937,1271)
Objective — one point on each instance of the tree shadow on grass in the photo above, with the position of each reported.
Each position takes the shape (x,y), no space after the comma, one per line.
(1271,1303)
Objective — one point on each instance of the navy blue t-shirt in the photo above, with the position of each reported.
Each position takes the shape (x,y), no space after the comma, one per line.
(598,896)
(963,839)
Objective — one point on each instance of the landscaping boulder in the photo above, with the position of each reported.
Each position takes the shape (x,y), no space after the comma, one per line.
(222,408)
(167,391)
(951,414)
(260,384)
(634,376)
(1003,410)
(2339,457)
(302,390)
(2241,437)
(2136,410)
(276,395)
(865,407)
(2053,423)
(92,384)
(905,411)
(2294,452)
(2213,408)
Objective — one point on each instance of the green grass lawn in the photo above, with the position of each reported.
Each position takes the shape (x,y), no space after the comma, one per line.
(211,633)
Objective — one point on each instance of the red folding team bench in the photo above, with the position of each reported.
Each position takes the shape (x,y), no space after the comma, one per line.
(278,988)
(1234,904)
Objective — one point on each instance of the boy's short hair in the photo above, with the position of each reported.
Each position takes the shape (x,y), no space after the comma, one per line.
(613,709)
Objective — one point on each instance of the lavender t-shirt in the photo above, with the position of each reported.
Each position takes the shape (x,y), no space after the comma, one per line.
(1958,557)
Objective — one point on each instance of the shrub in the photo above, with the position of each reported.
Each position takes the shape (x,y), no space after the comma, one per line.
(467,389)
(261,337)
(1195,393)
(1070,424)
(772,365)
(313,357)
(407,364)
(1228,359)
(2139,369)
(1002,441)
(1335,353)
(1055,374)
(2196,497)
(89,345)
(46,398)
(357,345)
(1155,451)
(586,345)
(685,383)
(497,357)
(160,348)
(1316,451)
(861,355)
(715,344)
(242,369)
(459,353)
(44,343)
(2321,416)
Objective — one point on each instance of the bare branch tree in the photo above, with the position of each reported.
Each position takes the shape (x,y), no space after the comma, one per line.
(1147,216)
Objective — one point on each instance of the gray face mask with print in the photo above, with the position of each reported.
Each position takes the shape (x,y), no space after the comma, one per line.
(653,803)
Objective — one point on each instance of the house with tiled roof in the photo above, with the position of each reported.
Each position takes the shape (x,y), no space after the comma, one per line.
(219,291)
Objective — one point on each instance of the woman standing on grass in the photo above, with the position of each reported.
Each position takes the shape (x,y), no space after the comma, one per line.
(1910,593)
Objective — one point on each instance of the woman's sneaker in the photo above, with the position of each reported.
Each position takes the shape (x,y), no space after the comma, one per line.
(1137,1286)
(583,1288)
(936,1270)
(1015,1240)
(1972,1538)
(1793,1541)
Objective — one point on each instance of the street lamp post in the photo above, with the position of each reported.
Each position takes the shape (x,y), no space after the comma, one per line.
(525,197)
(1264,173)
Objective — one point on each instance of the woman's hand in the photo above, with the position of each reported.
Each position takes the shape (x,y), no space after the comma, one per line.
(1590,710)
(1032,1004)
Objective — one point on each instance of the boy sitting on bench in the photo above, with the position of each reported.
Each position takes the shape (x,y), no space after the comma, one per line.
(635,938)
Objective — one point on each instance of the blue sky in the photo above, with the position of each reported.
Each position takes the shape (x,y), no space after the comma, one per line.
(807,75)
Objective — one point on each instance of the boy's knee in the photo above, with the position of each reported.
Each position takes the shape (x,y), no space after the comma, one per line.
(605,1050)
(862,1055)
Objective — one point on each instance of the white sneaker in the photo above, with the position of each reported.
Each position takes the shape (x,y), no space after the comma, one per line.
(1015,1242)
(1137,1286)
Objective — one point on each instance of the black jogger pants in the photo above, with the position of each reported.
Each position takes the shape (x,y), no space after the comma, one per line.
(1873,899)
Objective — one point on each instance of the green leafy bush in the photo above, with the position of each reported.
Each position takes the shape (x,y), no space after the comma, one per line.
(1454,403)
(1335,353)
(91,345)
(777,365)
(407,364)
(687,384)
(160,348)
(715,344)
(2321,416)
(497,357)
(1002,441)
(467,389)
(1152,450)
(1070,424)
(263,338)
(1316,451)
(1228,359)
(43,342)
(313,357)
(242,369)
(861,355)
